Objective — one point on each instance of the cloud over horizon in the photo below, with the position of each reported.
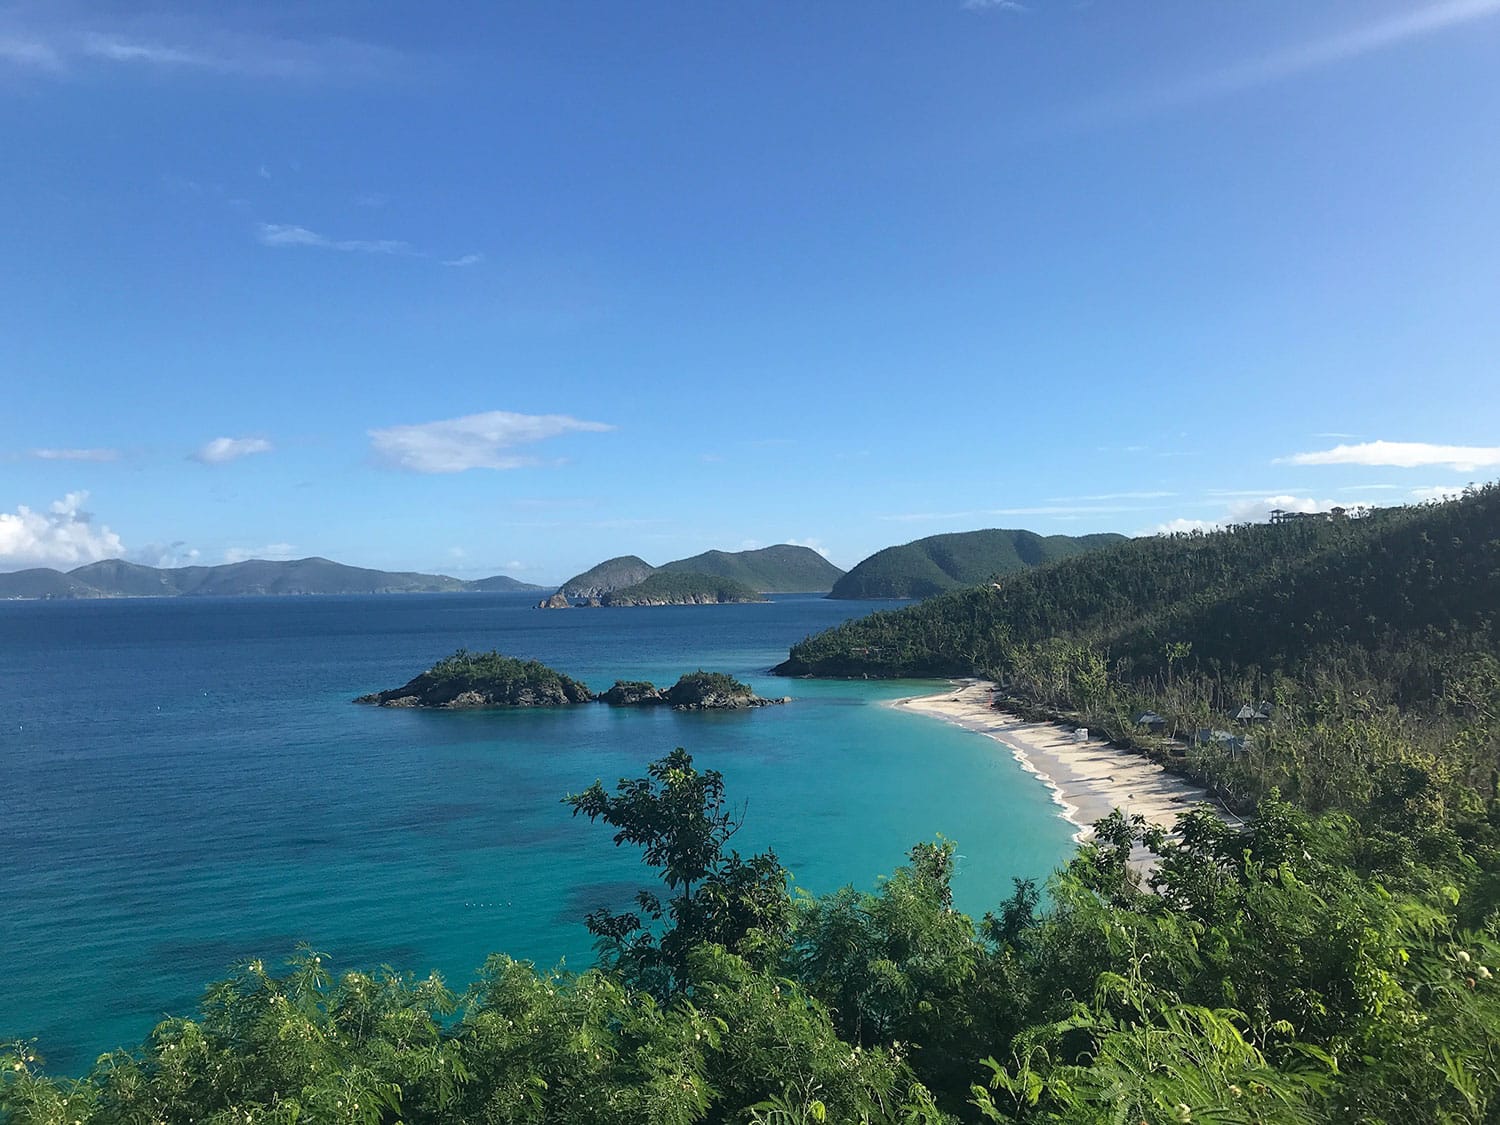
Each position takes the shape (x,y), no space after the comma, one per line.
(62,536)
(474,441)
(223,449)
(76,454)
(275,552)
(1401,455)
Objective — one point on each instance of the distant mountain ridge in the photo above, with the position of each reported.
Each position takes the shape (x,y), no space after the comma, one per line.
(782,569)
(116,578)
(929,566)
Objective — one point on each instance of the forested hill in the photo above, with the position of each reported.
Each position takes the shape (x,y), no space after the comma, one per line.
(611,574)
(943,562)
(1392,597)
(116,578)
(782,569)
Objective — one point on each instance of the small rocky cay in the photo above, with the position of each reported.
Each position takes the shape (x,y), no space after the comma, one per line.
(474,680)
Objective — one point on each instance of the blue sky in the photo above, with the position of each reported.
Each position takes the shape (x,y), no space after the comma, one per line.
(513,288)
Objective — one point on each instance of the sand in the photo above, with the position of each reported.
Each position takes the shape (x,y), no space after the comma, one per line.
(1088,779)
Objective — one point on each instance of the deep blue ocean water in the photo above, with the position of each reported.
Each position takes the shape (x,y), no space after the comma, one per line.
(187,784)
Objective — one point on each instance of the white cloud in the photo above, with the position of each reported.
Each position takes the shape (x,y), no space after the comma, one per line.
(223,449)
(1250,511)
(810,544)
(476,441)
(1401,455)
(278,552)
(994,6)
(282,234)
(1438,492)
(464,260)
(166,555)
(62,536)
(76,454)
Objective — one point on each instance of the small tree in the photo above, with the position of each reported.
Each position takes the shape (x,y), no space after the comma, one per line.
(681,821)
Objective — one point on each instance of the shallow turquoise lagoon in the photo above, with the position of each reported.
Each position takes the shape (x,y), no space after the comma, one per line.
(187,785)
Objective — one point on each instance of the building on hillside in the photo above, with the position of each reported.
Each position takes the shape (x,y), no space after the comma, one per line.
(1232,744)
(1151,721)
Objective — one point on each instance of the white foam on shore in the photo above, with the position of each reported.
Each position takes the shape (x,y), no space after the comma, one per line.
(1087,779)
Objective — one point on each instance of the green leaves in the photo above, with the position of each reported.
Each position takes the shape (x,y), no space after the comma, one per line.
(680,820)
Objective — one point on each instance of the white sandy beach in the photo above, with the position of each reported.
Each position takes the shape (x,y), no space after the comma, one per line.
(1089,779)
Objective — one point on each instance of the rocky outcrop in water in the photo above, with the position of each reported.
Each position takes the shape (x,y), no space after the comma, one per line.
(468,680)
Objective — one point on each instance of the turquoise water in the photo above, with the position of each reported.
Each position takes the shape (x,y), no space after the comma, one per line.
(187,785)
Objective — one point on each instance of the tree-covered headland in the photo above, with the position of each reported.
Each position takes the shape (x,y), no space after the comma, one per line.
(1332,959)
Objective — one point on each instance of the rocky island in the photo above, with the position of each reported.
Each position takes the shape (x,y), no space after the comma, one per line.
(664,587)
(696,691)
(675,588)
(468,680)
(472,680)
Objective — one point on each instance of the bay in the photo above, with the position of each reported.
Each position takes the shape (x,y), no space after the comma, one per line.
(187,785)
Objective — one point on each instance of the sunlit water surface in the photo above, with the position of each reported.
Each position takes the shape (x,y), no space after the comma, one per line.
(187,785)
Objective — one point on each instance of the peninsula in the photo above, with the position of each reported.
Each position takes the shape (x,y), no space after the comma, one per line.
(116,578)
(937,563)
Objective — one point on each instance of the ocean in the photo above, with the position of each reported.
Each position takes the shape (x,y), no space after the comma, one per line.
(188,785)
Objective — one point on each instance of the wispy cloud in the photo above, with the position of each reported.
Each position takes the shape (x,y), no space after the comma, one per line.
(76,454)
(985,513)
(1438,492)
(1401,455)
(223,449)
(64,535)
(282,234)
(38,40)
(810,544)
(1299,58)
(1250,511)
(1111,496)
(275,552)
(464,260)
(995,6)
(475,441)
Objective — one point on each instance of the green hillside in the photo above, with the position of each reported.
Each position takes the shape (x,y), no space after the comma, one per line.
(672,587)
(116,578)
(1394,596)
(930,566)
(43,582)
(782,569)
(611,574)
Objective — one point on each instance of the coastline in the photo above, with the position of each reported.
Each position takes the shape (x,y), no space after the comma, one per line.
(1088,780)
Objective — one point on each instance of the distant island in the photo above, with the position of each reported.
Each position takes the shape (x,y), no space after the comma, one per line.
(938,563)
(670,587)
(116,578)
(469,681)
(783,569)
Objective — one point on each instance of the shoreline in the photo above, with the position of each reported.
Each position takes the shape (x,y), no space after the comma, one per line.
(1088,780)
